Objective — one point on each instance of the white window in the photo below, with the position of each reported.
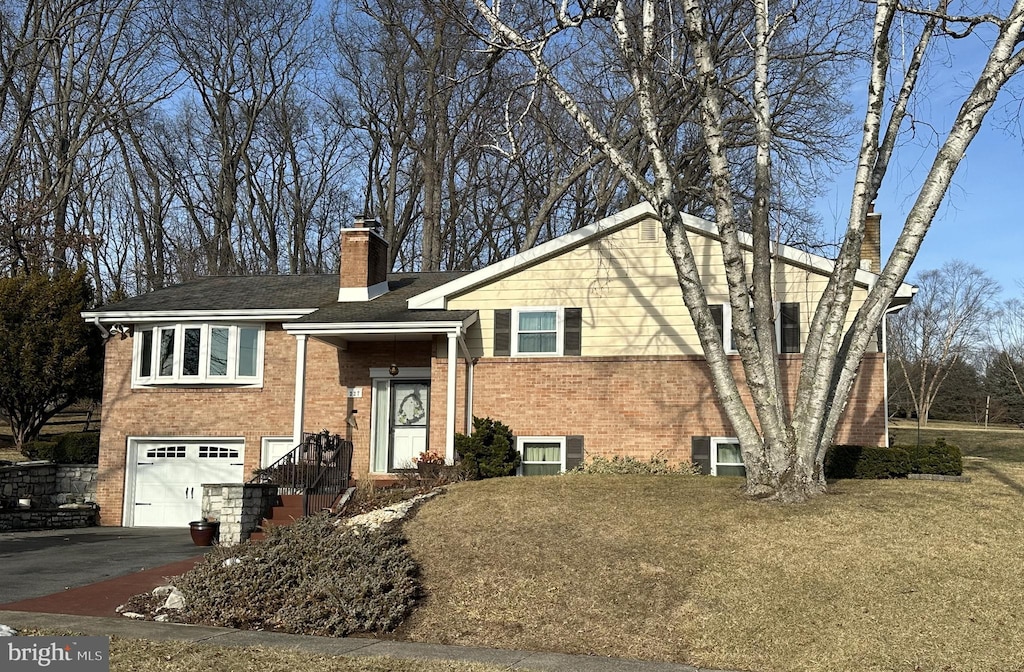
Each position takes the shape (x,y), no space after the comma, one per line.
(726,457)
(787,326)
(201,354)
(537,331)
(541,455)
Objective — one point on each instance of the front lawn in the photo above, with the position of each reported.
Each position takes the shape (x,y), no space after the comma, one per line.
(877,575)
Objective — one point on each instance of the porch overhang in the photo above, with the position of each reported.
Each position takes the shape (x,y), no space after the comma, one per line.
(338,335)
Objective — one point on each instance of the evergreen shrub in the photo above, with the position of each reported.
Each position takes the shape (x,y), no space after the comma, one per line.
(941,458)
(489,451)
(311,578)
(71,448)
(871,462)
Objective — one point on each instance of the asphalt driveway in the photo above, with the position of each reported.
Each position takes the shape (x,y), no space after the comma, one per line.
(33,564)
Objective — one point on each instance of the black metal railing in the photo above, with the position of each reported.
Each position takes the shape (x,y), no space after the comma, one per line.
(319,469)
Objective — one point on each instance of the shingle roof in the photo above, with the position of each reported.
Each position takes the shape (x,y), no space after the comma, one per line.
(317,293)
(391,307)
(263,292)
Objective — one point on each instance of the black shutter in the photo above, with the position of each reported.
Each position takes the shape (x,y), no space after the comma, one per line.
(573,452)
(700,453)
(790,331)
(718,315)
(502,333)
(573,338)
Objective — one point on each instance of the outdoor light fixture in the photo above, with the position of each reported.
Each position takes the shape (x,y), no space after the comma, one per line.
(393,369)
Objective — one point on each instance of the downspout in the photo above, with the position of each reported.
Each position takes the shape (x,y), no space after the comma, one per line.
(104,334)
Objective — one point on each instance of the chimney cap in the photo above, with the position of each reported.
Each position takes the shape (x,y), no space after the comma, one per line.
(367,222)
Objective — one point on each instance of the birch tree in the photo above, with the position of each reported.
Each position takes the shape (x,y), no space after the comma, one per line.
(661,46)
(947,322)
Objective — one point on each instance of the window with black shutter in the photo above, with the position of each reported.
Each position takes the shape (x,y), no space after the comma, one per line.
(718,315)
(573,332)
(789,329)
(502,333)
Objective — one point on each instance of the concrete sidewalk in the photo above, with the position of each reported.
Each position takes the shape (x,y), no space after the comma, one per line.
(331,646)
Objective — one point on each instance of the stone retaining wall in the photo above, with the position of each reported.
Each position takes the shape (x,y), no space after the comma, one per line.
(48,485)
(240,508)
(48,519)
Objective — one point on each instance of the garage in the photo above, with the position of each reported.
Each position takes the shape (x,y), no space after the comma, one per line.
(165,477)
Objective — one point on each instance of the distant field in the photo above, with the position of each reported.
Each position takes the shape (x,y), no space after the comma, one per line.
(71,420)
(999,442)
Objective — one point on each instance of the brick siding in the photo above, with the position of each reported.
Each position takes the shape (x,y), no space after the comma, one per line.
(639,406)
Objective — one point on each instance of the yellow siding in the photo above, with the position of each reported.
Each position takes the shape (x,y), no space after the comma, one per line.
(631,301)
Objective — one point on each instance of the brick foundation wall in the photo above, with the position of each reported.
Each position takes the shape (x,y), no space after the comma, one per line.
(639,406)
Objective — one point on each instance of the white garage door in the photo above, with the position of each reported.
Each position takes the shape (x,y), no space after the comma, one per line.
(169,477)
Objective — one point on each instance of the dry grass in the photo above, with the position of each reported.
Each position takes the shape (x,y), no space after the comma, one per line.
(136,655)
(999,442)
(148,656)
(877,575)
(8,453)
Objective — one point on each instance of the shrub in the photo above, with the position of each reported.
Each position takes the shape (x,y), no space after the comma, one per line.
(489,451)
(866,462)
(72,448)
(656,465)
(308,578)
(38,450)
(940,458)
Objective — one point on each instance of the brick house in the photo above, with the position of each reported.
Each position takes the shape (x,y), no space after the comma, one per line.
(581,345)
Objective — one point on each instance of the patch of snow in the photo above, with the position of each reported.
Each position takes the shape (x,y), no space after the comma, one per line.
(7,631)
(161,591)
(132,614)
(375,519)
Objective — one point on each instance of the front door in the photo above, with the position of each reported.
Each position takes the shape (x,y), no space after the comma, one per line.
(409,410)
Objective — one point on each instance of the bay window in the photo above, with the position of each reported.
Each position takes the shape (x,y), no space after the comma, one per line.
(202,354)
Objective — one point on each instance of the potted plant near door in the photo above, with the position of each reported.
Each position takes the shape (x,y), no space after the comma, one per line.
(429,464)
(204,532)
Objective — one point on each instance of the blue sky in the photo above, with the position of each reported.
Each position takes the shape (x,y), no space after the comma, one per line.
(981,220)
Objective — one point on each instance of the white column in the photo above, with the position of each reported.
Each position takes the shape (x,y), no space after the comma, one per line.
(469,385)
(449,423)
(300,388)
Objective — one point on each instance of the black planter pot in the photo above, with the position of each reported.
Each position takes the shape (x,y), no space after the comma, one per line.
(204,532)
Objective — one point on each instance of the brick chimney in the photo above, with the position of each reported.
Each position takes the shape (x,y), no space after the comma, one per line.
(364,261)
(871,249)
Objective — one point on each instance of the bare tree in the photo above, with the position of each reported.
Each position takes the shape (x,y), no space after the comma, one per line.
(660,44)
(1009,336)
(945,324)
(239,57)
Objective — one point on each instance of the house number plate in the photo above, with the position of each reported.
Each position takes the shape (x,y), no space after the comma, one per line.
(355,392)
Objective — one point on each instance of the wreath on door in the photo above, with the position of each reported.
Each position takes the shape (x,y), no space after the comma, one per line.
(411,409)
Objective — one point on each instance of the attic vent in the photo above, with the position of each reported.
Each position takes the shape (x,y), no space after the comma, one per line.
(649,231)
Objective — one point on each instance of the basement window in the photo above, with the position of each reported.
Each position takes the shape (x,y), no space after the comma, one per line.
(198,354)
(726,457)
(541,455)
